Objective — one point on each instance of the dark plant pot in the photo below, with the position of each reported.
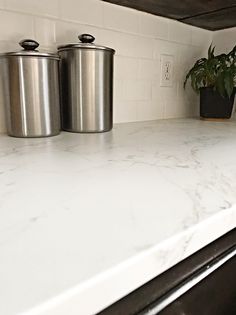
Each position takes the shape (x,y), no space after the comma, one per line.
(213,105)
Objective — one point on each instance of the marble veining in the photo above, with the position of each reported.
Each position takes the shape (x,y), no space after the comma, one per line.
(86,218)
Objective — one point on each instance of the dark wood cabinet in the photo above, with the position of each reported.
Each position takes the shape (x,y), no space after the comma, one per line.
(215,294)
(212,14)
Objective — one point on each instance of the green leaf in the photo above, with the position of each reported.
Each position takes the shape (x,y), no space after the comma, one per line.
(229,84)
(218,71)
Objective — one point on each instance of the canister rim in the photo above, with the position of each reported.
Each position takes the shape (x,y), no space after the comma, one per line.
(32,53)
(84,46)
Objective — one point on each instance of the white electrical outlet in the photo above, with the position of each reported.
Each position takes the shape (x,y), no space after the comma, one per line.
(167,63)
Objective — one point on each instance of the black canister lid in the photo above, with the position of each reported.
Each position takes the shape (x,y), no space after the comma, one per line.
(29,49)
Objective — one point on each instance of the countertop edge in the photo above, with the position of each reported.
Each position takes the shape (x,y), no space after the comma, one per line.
(97,293)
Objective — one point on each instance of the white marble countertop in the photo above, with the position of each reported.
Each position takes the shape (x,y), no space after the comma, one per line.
(85,219)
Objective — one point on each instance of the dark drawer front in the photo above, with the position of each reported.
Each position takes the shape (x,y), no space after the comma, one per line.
(215,295)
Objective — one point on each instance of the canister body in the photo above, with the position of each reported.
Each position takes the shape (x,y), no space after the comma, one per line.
(86,77)
(31,95)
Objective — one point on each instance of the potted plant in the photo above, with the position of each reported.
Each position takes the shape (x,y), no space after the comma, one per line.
(215,78)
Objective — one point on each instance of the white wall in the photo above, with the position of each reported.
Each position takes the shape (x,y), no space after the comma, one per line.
(138,38)
(224,40)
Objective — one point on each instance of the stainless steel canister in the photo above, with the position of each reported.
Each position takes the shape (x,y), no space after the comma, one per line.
(30,91)
(86,73)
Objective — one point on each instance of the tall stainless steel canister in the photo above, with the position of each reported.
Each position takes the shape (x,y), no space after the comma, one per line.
(30,91)
(86,72)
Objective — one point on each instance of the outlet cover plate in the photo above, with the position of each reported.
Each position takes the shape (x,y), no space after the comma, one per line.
(167,64)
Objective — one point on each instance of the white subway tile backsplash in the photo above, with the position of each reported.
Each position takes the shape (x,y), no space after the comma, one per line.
(170,108)
(110,39)
(149,69)
(6,46)
(15,27)
(81,11)
(166,48)
(149,110)
(137,90)
(138,38)
(156,91)
(120,18)
(125,111)
(201,37)
(224,40)
(118,90)
(179,32)
(144,111)
(154,26)
(128,45)
(187,57)
(45,33)
(125,67)
(169,96)
(188,100)
(125,45)
(42,7)
(181,103)
(144,47)
(67,32)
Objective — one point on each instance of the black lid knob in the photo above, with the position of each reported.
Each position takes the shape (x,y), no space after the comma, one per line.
(29,44)
(86,38)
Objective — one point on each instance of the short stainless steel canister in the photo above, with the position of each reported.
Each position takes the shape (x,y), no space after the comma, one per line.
(86,73)
(30,91)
